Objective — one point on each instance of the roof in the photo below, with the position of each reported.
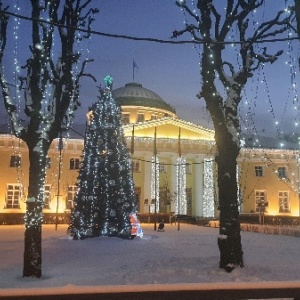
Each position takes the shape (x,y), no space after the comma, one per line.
(134,94)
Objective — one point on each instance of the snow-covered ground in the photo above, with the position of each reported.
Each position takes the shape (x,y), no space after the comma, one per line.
(189,255)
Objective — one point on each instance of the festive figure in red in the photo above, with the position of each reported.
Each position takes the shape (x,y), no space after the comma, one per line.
(136,229)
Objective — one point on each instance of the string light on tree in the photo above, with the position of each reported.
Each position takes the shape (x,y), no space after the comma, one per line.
(105,197)
(208,188)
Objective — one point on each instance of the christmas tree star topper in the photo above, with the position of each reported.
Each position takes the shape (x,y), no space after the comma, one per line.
(108,81)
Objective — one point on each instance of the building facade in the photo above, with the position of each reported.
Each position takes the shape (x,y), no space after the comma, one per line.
(172,163)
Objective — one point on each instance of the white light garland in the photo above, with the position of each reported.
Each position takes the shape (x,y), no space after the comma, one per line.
(16,71)
(239,199)
(181,203)
(208,188)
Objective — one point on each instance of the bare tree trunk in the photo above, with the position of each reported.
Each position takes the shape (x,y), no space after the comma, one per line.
(226,124)
(34,212)
(32,248)
(229,241)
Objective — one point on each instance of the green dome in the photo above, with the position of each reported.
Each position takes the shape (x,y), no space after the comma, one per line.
(133,94)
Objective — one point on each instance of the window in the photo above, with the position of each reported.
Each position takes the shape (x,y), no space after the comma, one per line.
(74,163)
(140,118)
(281,171)
(136,166)
(261,202)
(153,117)
(15,161)
(162,168)
(125,119)
(13,195)
(259,171)
(284,201)
(47,196)
(72,189)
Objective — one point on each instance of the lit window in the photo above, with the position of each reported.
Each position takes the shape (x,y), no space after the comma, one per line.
(74,163)
(15,161)
(140,118)
(47,196)
(281,171)
(136,166)
(261,202)
(284,201)
(14,192)
(125,119)
(259,171)
(72,189)
(153,117)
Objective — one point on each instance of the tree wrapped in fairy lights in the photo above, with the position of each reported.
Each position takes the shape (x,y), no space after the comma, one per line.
(45,95)
(211,26)
(105,196)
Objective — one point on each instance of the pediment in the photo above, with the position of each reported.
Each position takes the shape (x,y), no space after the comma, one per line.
(169,128)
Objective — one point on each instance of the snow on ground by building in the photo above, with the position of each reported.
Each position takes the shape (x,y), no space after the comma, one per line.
(188,255)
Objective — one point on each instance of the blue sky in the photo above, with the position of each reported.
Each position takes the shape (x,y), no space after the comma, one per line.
(173,71)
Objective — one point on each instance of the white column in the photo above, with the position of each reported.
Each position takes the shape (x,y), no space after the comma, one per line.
(181,184)
(198,183)
(238,181)
(208,188)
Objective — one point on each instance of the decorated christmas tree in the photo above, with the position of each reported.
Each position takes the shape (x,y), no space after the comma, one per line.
(105,198)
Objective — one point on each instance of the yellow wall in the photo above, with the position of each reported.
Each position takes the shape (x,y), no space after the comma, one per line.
(73,149)
(270,182)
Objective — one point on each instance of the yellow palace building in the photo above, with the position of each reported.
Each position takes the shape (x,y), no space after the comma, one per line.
(173,167)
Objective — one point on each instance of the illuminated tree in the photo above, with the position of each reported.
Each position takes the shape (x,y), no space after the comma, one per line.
(212,27)
(166,196)
(50,95)
(105,196)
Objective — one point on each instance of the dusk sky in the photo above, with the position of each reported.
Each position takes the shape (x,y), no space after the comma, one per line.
(173,71)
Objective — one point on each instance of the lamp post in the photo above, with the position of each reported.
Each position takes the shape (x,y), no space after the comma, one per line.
(178,193)
(155,178)
(60,147)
